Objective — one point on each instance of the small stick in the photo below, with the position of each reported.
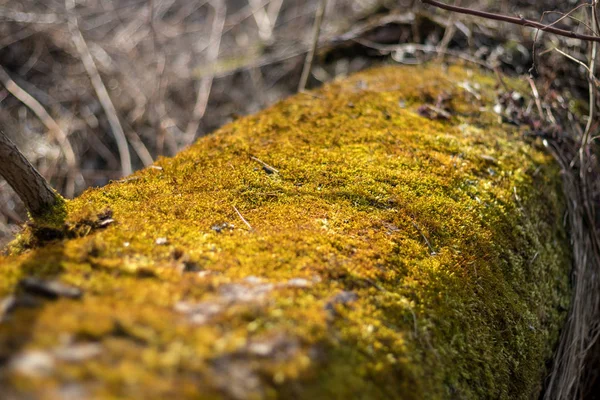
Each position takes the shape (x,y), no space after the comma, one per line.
(448,35)
(263,22)
(499,76)
(29,18)
(431,249)
(26,181)
(265,165)
(205,86)
(99,87)
(536,96)
(513,20)
(409,47)
(308,61)
(591,88)
(570,57)
(243,219)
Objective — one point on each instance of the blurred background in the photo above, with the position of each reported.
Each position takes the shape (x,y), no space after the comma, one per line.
(91,90)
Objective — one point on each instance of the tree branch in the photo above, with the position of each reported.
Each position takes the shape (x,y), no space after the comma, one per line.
(107,105)
(27,182)
(513,20)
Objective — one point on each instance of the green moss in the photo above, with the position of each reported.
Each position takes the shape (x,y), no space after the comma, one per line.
(390,256)
(44,227)
(55,216)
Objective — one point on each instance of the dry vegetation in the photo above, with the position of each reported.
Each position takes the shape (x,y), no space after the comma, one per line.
(94,89)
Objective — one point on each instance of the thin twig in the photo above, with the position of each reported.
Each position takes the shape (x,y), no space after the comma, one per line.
(265,165)
(592,89)
(29,18)
(243,219)
(308,62)
(500,80)
(513,20)
(563,16)
(206,82)
(99,87)
(431,248)
(448,35)
(156,104)
(570,57)
(536,96)
(273,11)
(263,22)
(412,47)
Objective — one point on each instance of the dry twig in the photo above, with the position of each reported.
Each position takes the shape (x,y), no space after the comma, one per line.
(220,11)
(266,166)
(99,88)
(308,62)
(242,218)
(513,20)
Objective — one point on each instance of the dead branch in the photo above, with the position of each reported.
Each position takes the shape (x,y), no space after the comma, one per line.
(29,18)
(243,219)
(206,82)
(513,20)
(313,49)
(592,89)
(99,88)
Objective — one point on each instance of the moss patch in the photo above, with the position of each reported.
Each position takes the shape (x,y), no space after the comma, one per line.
(383,254)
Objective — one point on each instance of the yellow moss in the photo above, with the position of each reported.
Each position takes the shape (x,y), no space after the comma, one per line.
(390,256)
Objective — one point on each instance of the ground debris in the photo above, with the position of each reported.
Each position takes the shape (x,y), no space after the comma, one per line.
(33,363)
(78,352)
(342,298)
(161,241)
(221,227)
(12,302)
(252,290)
(51,289)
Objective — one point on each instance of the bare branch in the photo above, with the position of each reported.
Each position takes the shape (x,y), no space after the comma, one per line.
(592,89)
(204,89)
(99,88)
(29,18)
(513,20)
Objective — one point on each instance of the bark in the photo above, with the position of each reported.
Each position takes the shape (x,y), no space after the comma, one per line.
(26,181)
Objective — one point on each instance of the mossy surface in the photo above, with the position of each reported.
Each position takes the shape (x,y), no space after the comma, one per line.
(389,256)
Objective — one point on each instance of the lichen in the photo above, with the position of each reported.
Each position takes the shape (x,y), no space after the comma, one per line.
(336,245)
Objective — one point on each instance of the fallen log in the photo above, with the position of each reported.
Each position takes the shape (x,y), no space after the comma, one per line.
(385,236)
